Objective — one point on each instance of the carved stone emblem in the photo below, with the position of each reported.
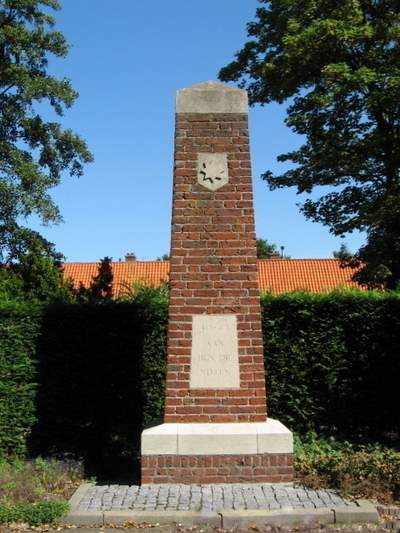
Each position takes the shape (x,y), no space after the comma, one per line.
(212,170)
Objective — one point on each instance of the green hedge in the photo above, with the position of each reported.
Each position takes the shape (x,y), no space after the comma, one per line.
(333,364)
(101,379)
(19,327)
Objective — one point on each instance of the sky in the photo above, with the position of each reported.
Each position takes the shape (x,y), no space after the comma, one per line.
(127,60)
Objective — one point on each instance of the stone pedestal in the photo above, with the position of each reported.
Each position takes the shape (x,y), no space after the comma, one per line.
(216,428)
(218,453)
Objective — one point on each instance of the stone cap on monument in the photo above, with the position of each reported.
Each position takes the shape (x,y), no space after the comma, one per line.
(211,97)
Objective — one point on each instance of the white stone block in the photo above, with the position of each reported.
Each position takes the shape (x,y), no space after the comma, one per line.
(211,97)
(160,440)
(217,439)
(274,437)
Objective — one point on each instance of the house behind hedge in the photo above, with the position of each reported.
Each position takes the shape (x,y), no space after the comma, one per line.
(277,276)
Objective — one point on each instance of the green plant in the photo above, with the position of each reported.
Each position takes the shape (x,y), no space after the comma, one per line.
(371,471)
(265,249)
(29,481)
(337,66)
(114,352)
(19,329)
(144,294)
(33,514)
(101,286)
(35,151)
(153,305)
(332,361)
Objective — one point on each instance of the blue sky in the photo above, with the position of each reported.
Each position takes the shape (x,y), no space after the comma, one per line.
(128,57)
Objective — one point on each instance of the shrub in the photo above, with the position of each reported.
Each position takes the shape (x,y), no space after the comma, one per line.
(28,481)
(152,304)
(33,514)
(332,365)
(371,471)
(101,373)
(19,328)
(332,362)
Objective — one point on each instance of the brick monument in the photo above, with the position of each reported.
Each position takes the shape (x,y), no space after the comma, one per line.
(216,428)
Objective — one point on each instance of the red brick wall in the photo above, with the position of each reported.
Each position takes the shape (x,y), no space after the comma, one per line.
(265,468)
(214,269)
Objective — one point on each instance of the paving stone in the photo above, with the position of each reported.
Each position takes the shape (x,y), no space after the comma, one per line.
(207,498)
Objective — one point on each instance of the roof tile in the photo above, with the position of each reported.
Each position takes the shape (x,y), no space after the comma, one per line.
(275,275)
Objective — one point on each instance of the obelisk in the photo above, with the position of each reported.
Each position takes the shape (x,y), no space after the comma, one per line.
(215,426)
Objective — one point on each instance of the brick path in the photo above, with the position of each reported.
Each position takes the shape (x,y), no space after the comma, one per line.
(206,498)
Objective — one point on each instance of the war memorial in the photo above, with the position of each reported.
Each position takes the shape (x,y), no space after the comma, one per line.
(217,458)
(216,428)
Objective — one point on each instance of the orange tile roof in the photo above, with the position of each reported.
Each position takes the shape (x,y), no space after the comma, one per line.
(313,275)
(275,275)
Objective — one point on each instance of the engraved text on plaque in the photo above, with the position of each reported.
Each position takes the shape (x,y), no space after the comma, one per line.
(215,357)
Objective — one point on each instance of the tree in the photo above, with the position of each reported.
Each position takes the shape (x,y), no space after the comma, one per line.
(343,254)
(11,285)
(102,284)
(378,260)
(164,257)
(40,270)
(101,287)
(37,275)
(34,153)
(265,249)
(339,64)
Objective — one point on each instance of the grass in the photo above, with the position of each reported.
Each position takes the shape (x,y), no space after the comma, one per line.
(36,491)
(359,471)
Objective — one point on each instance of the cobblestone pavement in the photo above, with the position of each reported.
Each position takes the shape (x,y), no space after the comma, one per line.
(206,498)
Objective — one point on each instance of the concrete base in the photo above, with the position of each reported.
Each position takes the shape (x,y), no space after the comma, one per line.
(270,437)
(306,518)
(256,452)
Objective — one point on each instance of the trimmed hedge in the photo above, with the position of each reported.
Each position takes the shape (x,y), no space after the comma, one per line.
(332,364)
(101,379)
(19,328)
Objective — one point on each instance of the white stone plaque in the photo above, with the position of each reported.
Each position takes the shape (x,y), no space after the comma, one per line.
(212,170)
(215,354)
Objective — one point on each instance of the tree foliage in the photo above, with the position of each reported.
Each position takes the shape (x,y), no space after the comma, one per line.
(164,257)
(37,275)
(265,249)
(343,254)
(338,64)
(102,284)
(34,152)
(101,287)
